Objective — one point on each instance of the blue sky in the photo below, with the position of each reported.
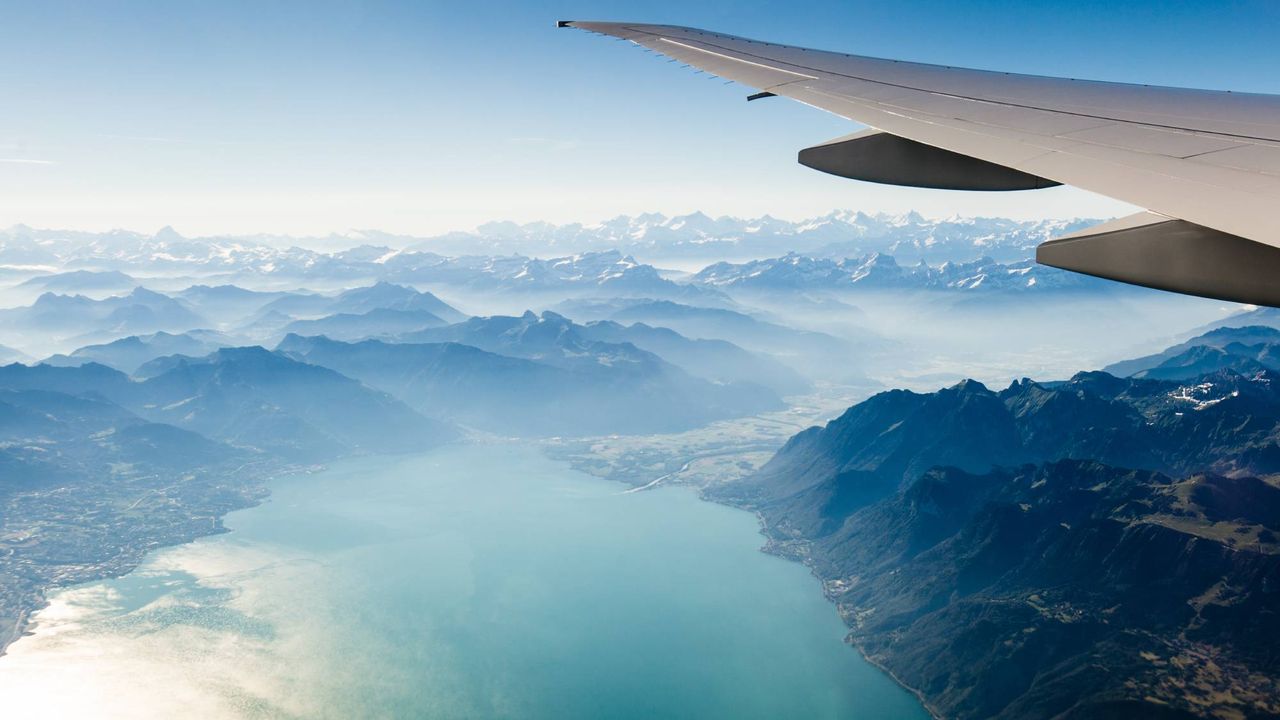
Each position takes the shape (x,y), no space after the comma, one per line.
(421,117)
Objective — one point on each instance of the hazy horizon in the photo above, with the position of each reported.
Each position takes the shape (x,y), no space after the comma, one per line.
(328,242)
(241,118)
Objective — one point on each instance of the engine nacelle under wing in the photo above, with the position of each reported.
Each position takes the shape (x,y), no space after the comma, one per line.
(881,157)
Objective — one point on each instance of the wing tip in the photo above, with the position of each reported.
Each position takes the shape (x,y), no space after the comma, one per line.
(565,23)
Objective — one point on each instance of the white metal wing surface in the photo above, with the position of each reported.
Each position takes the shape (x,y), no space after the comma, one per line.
(1206,164)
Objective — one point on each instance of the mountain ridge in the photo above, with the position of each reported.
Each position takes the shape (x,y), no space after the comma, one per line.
(1096,547)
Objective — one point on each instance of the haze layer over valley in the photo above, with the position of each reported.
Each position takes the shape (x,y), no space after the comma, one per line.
(848,296)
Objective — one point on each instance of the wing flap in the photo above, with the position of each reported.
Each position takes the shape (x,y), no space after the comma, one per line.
(879,157)
(1168,254)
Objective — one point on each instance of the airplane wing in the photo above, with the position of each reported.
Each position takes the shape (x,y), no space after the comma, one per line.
(1205,164)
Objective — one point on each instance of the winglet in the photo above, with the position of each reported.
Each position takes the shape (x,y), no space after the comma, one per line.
(564,23)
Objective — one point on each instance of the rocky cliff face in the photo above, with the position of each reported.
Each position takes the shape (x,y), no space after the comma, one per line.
(1069,587)
(1101,547)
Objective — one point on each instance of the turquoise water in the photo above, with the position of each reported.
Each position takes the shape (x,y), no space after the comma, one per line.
(470,582)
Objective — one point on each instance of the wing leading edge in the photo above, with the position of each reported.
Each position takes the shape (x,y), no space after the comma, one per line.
(1206,164)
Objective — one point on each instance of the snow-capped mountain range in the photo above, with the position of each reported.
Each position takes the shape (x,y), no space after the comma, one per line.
(652,237)
(855,252)
(881,271)
(910,237)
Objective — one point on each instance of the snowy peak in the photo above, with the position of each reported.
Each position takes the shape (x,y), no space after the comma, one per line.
(606,250)
(882,271)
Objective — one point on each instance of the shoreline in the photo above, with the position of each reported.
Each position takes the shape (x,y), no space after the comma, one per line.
(771,547)
(678,464)
(26,626)
(22,627)
(919,696)
(252,491)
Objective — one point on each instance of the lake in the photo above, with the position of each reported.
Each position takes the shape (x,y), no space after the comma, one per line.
(470,582)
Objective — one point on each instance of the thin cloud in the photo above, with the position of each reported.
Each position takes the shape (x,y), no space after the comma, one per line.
(26,161)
